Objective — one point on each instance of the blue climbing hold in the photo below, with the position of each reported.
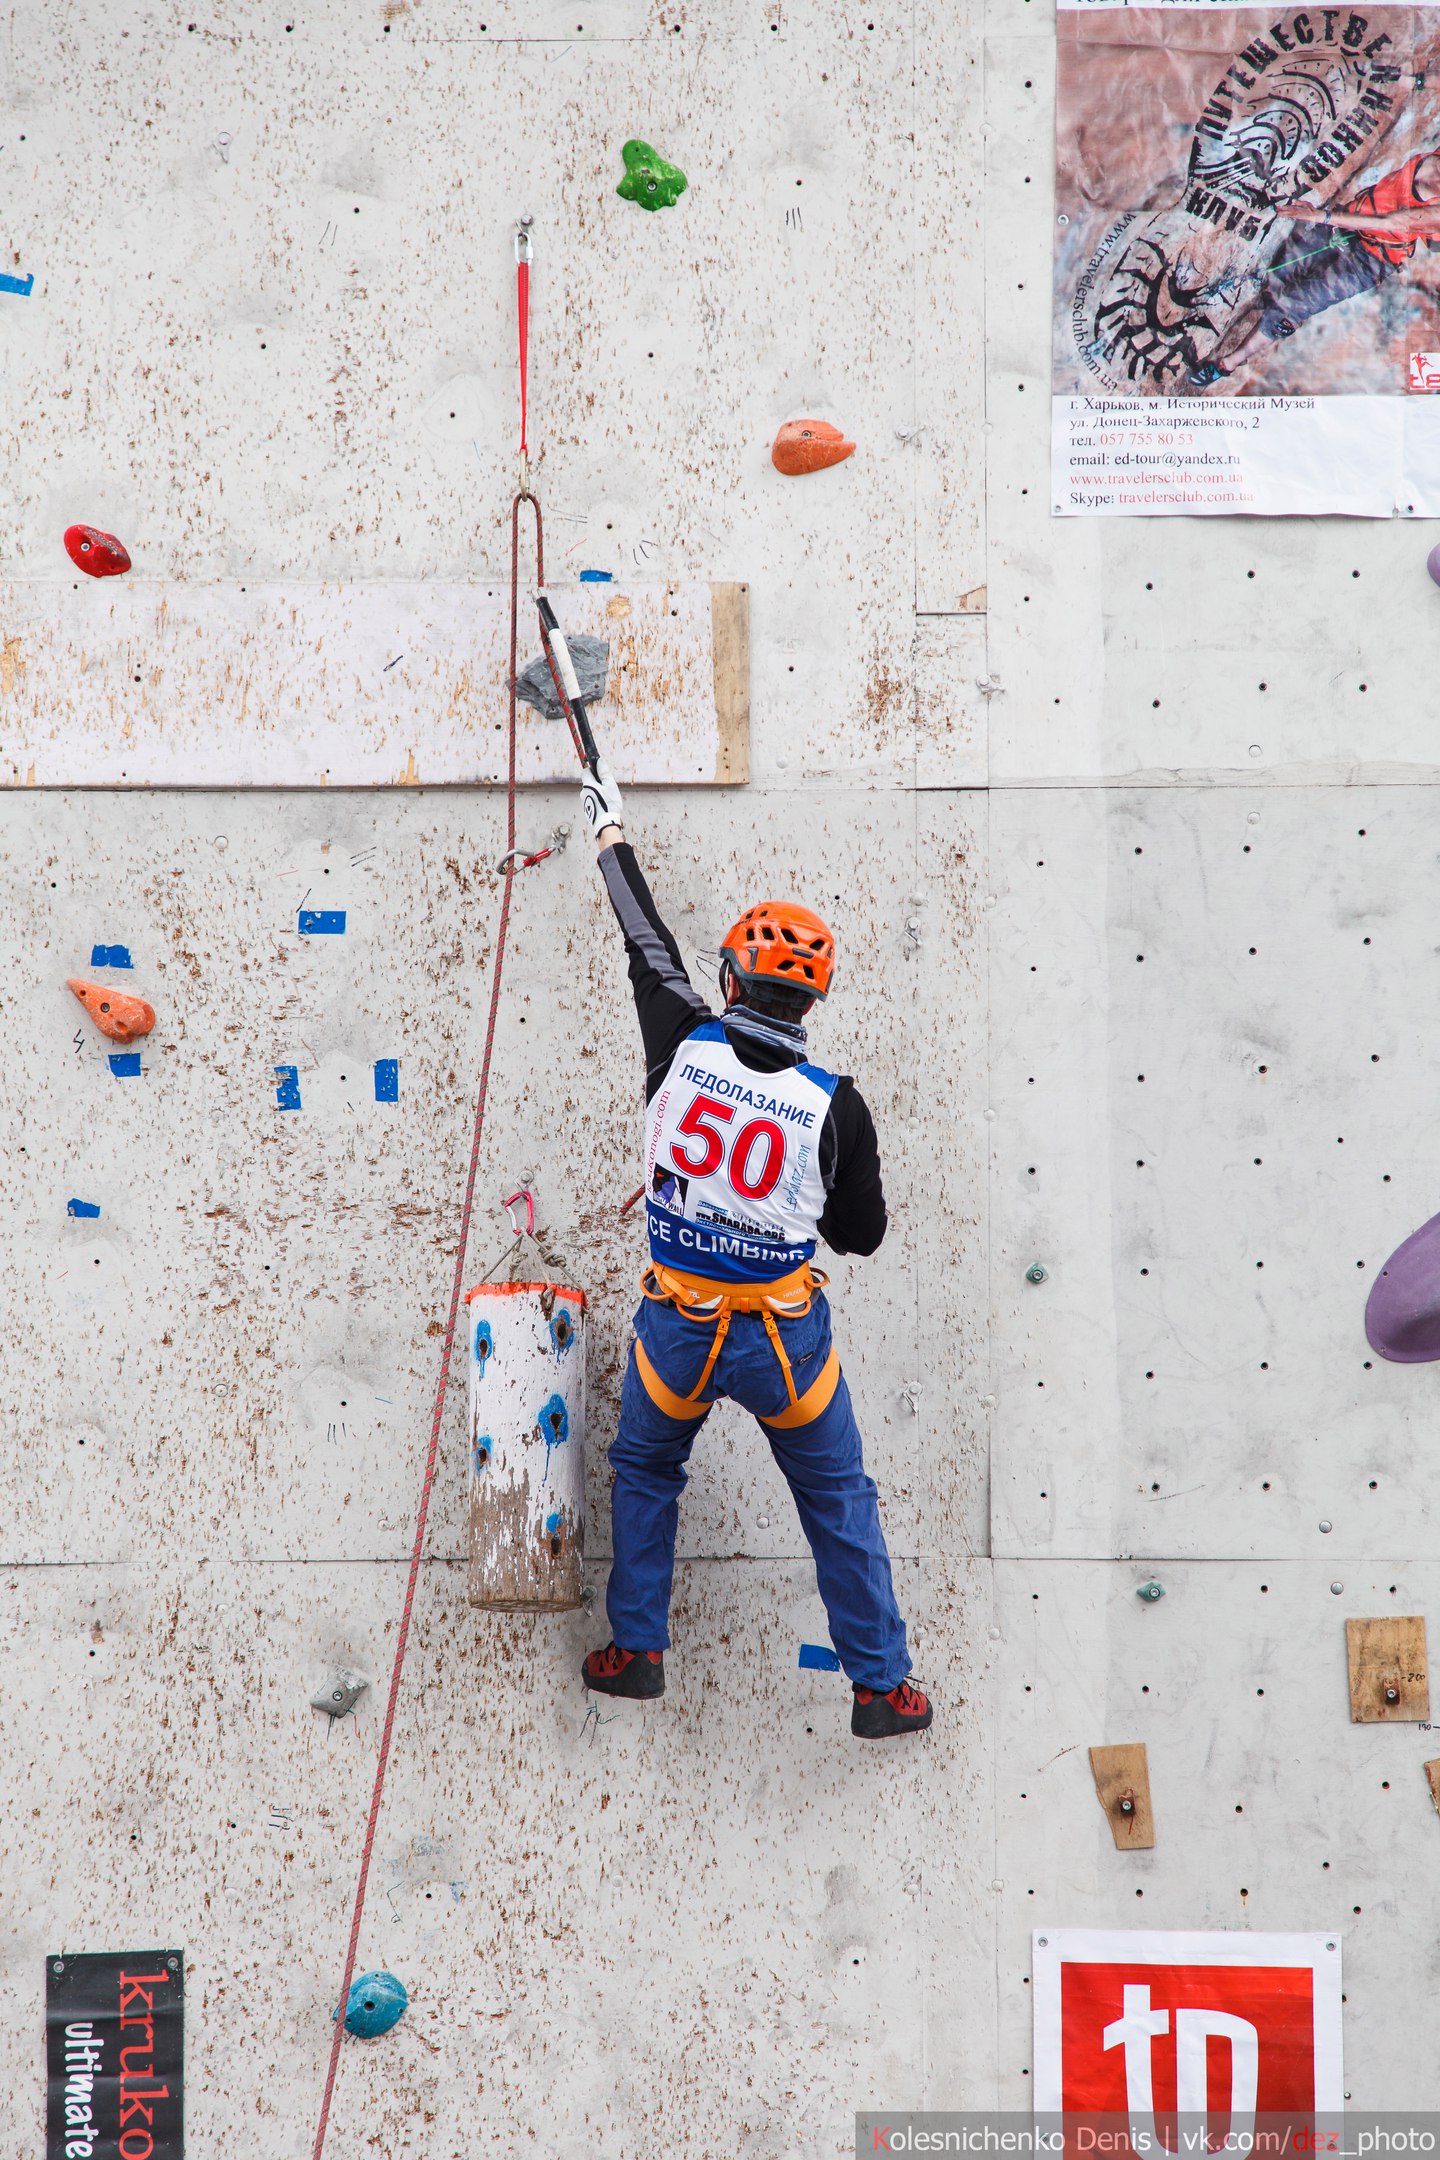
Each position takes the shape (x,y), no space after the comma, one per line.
(377,2001)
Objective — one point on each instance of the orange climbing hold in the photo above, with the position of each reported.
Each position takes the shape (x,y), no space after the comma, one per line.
(808,446)
(124,1019)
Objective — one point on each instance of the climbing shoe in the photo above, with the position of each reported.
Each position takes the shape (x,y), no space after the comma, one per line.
(613,1671)
(881,1717)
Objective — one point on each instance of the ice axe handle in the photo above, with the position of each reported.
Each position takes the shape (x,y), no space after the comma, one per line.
(571,681)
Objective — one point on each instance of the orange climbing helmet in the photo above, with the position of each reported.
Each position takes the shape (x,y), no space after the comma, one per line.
(780,942)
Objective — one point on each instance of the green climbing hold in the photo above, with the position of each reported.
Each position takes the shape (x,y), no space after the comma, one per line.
(648,180)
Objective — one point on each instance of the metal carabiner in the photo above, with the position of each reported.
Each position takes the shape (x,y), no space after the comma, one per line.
(524,252)
(528,1197)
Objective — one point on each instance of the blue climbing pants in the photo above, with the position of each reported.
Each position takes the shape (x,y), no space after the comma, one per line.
(819,1453)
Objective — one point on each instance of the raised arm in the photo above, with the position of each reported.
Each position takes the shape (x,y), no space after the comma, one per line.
(668,1005)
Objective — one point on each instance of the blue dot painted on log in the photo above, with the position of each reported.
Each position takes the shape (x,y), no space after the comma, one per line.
(110,956)
(818,1657)
(562,1331)
(387,1079)
(597,577)
(553,1522)
(553,1424)
(321,922)
(125,1064)
(287,1095)
(83,1207)
(481,1453)
(484,1344)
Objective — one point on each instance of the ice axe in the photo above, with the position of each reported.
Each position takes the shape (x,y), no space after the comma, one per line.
(567,684)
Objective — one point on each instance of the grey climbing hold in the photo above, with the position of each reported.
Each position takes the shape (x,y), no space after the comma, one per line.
(340,1693)
(1035,1273)
(535,685)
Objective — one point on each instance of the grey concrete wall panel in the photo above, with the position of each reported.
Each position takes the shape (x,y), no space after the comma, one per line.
(1272,1811)
(1212,1128)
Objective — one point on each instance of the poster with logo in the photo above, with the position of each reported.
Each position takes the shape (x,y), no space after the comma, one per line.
(1227,2029)
(1247,261)
(114,2053)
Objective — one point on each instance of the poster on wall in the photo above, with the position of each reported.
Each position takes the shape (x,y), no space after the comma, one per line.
(1132,2024)
(114,2055)
(1247,261)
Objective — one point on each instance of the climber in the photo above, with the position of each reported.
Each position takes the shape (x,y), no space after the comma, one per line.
(751,1151)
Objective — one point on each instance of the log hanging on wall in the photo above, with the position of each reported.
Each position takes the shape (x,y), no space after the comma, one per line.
(527,1446)
(1389,1678)
(1122,1786)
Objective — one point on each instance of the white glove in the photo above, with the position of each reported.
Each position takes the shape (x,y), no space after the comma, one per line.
(600,799)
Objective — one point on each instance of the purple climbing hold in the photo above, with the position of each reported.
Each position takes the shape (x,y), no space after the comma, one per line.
(1402,1314)
(1432,563)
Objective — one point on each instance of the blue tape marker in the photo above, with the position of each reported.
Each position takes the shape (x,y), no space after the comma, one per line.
(19,285)
(596,577)
(110,956)
(125,1064)
(287,1095)
(819,1657)
(387,1079)
(322,922)
(553,1522)
(82,1207)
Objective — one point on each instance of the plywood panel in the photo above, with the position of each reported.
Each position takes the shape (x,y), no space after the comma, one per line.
(189,685)
(261,1296)
(566,1979)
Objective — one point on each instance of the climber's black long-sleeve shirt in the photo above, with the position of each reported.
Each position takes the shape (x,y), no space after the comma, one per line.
(670,1008)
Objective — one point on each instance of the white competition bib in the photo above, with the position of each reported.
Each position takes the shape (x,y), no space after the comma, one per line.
(732,1164)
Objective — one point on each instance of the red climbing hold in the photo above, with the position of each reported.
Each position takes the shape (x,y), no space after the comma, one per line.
(807,446)
(98,554)
(123,1018)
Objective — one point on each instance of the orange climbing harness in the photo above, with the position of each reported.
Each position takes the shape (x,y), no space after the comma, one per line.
(700,1299)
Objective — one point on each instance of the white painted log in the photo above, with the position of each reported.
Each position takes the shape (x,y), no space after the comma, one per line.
(527,1446)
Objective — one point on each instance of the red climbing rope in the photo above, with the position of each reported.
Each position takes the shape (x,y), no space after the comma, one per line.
(387,1731)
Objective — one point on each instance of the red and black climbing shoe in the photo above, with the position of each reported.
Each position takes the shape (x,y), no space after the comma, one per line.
(613,1671)
(882,1717)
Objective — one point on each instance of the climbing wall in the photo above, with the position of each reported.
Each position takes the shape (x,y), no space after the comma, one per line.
(1124,833)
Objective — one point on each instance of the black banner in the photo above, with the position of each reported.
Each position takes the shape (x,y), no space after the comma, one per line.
(115,2056)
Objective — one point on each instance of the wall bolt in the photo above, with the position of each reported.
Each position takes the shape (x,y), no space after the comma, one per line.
(1336,1588)
(1035,1272)
(1326,1528)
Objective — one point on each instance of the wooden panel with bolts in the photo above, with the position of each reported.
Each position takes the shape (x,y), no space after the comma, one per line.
(1122,1785)
(1389,1678)
(730,646)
